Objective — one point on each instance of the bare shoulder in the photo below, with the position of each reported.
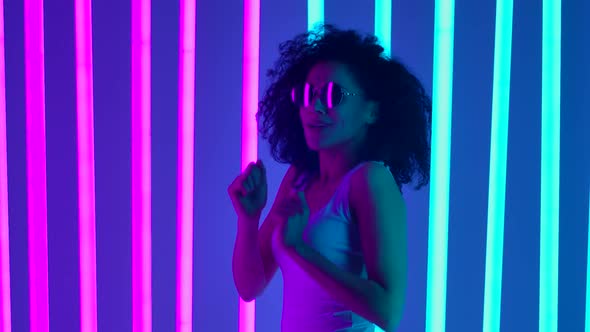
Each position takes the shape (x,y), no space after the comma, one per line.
(372,171)
(374,181)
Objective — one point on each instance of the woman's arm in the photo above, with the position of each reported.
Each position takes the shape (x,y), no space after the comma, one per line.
(253,263)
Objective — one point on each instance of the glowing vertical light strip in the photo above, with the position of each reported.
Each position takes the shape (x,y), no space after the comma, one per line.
(588,271)
(5,322)
(550,141)
(250,68)
(141,232)
(315,13)
(383,24)
(436,288)
(86,197)
(186,134)
(498,161)
(36,165)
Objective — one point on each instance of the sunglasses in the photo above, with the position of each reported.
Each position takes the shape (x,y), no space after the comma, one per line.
(330,94)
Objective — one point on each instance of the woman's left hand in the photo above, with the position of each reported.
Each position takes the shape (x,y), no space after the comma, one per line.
(295,213)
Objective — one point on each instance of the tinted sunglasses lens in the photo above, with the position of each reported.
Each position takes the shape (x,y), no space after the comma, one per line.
(301,94)
(331,95)
(296,95)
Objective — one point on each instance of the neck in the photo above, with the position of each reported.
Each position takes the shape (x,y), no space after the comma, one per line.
(335,163)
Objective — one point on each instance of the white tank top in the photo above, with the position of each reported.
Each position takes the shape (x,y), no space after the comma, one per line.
(332,232)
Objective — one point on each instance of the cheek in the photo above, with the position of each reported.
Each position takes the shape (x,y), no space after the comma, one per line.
(349,124)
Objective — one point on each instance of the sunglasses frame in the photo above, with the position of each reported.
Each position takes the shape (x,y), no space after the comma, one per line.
(315,92)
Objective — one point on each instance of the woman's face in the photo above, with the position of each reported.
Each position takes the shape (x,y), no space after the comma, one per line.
(336,114)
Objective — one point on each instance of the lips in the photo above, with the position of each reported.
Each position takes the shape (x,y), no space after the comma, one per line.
(318,124)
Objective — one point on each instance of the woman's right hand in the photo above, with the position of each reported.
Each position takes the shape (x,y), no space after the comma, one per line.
(248,191)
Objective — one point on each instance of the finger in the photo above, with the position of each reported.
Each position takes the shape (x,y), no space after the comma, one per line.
(256,175)
(236,188)
(248,169)
(249,183)
(301,196)
(243,178)
(253,176)
(241,187)
(304,208)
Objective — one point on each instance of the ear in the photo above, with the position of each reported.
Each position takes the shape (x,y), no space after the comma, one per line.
(372,112)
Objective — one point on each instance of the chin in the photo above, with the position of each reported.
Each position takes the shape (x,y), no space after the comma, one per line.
(316,145)
(313,146)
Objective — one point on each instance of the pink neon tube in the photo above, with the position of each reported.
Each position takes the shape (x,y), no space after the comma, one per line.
(86,198)
(36,165)
(5,325)
(186,130)
(249,127)
(141,232)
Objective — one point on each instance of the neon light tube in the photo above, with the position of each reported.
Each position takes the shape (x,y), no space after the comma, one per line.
(36,165)
(315,13)
(550,141)
(249,139)
(141,232)
(5,322)
(383,24)
(498,161)
(186,134)
(588,272)
(86,182)
(436,287)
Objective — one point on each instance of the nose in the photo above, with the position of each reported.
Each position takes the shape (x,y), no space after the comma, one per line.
(317,104)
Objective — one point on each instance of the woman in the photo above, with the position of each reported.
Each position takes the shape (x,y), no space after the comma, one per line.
(354,125)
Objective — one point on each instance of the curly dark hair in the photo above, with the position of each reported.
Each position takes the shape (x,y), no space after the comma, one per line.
(401,135)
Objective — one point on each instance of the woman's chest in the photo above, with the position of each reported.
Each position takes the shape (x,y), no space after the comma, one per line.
(333,234)
(318,196)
